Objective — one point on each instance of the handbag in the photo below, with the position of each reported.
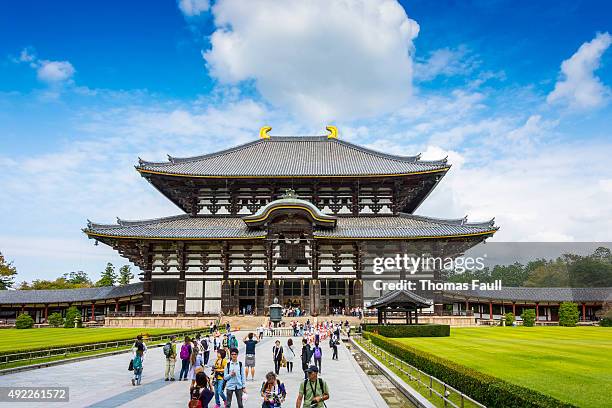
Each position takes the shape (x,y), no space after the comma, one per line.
(283,362)
(131,366)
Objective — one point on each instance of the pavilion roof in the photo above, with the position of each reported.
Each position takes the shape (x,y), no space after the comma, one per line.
(294,156)
(187,227)
(399,297)
(70,295)
(528,294)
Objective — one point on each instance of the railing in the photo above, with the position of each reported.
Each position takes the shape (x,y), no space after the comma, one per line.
(34,355)
(430,383)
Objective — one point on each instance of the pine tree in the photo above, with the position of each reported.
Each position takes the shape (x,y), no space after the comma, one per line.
(7,273)
(109,276)
(125,274)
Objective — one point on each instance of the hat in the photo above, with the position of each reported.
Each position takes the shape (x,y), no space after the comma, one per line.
(312,369)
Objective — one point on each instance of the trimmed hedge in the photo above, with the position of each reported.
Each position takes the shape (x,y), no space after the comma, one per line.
(24,321)
(509,317)
(410,330)
(528,317)
(568,314)
(486,389)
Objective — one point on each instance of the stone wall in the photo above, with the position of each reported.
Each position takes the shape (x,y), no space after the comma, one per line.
(173,322)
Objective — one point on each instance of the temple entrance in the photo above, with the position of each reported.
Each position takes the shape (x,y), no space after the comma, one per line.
(295,302)
(336,306)
(246,306)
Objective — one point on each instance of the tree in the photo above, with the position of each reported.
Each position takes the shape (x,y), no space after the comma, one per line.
(528,317)
(109,276)
(72,314)
(7,273)
(509,317)
(125,274)
(590,272)
(551,274)
(568,314)
(55,320)
(39,284)
(24,321)
(78,278)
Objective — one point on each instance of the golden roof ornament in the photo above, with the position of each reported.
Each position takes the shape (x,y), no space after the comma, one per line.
(333,132)
(263,132)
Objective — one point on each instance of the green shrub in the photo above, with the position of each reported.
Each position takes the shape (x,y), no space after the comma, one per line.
(24,321)
(486,389)
(509,317)
(410,330)
(71,316)
(568,314)
(528,317)
(606,320)
(55,320)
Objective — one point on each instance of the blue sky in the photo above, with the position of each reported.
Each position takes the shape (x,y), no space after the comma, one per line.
(517,94)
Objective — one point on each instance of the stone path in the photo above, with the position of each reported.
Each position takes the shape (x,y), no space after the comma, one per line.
(105,382)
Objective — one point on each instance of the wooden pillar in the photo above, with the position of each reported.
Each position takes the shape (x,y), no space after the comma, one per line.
(22,309)
(46,312)
(380,319)
(416,316)
(182,283)
(490,310)
(116,305)
(584,312)
(93,311)
(514,308)
(467,306)
(537,307)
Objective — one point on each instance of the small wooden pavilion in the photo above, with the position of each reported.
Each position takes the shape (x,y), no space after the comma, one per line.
(397,303)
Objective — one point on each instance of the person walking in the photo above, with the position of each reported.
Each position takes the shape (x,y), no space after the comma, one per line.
(249,360)
(195,361)
(218,374)
(185,356)
(138,352)
(305,357)
(289,353)
(317,354)
(205,346)
(277,354)
(234,379)
(313,391)
(333,342)
(170,353)
(273,392)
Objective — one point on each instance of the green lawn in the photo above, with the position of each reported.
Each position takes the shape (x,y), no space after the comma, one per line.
(29,339)
(571,364)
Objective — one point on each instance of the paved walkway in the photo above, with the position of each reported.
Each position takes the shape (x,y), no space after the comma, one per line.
(105,382)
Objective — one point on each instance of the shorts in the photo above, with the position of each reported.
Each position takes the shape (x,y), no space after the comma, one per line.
(249,360)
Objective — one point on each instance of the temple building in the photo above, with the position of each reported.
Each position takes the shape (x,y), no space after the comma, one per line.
(290,217)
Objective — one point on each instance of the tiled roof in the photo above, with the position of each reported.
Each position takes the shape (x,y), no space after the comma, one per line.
(520,294)
(69,295)
(264,212)
(398,297)
(202,227)
(290,156)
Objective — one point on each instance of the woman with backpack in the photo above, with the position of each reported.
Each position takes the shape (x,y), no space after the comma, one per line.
(138,352)
(195,361)
(289,352)
(185,356)
(273,391)
(317,354)
(202,393)
(277,354)
(218,374)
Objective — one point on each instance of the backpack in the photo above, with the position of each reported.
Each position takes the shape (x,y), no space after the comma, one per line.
(205,344)
(185,352)
(137,361)
(227,370)
(195,399)
(320,386)
(168,350)
(139,345)
(233,342)
(317,352)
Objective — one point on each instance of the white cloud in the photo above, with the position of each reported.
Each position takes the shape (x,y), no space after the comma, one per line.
(191,8)
(445,62)
(325,60)
(579,87)
(54,71)
(51,72)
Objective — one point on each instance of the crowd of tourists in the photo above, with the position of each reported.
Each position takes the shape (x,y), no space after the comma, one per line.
(214,370)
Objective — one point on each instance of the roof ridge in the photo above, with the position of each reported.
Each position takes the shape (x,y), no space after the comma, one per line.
(452,221)
(173,160)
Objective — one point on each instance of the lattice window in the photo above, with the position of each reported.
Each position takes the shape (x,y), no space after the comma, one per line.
(292,254)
